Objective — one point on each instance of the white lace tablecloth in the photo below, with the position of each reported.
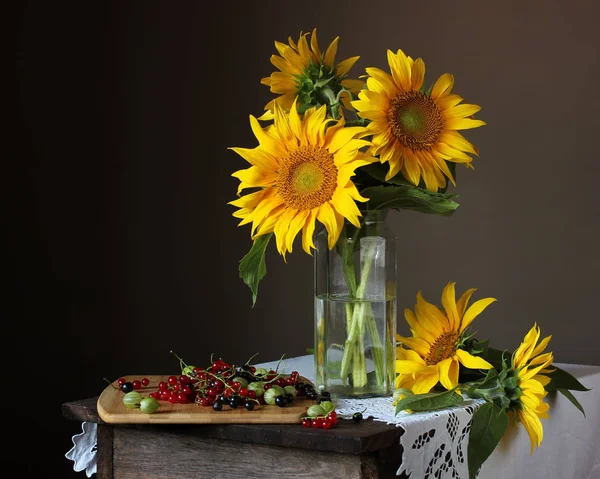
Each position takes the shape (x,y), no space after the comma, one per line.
(435,443)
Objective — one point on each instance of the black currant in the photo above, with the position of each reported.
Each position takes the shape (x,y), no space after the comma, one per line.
(357,416)
(217,405)
(289,398)
(301,386)
(249,405)
(223,400)
(325,394)
(233,402)
(281,401)
(311,394)
(127,387)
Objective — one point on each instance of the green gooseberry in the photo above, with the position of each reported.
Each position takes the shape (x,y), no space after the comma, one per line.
(132,399)
(315,410)
(258,387)
(271,395)
(149,405)
(290,390)
(327,406)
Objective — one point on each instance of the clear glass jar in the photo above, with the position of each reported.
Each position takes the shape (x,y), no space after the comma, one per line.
(355,309)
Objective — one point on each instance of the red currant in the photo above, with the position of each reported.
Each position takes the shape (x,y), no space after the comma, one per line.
(155,395)
(306,422)
(290,381)
(145,382)
(172,398)
(327,424)
(121,381)
(137,384)
(172,380)
(243,392)
(182,398)
(281,382)
(252,394)
(163,386)
(252,369)
(317,423)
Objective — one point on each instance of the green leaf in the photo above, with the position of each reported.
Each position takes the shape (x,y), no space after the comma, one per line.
(561,379)
(410,198)
(429,401)
(253,267)
(569,395)
(488,426)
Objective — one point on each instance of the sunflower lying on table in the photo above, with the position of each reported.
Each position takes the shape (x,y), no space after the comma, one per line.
(444,361)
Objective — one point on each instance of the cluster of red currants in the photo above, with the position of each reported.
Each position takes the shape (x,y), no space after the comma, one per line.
(176,389)
(321,422)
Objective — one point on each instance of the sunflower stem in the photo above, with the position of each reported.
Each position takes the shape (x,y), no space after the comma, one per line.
(354,351)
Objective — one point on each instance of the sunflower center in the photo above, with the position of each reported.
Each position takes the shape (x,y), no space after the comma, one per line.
(444,347)
(415,120)
(307,177)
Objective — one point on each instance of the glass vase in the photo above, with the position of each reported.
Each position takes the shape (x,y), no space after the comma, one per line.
(355,309)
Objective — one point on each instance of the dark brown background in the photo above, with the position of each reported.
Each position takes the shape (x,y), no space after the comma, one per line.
(123,245)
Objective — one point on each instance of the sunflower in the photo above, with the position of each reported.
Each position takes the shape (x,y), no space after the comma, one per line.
(416,132)
(434,353)
(529,364)
(303,173)
(308,74)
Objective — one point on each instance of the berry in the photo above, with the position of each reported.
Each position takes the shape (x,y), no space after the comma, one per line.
(137,384)
(121,381)
(281,401)
(327,424)
(252,394)
(172,380)
(289,398)
(317,423)
(233,402)
(127,387)
(217,405)
(145,382)
(249,405)
(163,386)
(306,422)
(357,416)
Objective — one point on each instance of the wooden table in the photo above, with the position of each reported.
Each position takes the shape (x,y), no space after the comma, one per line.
(368,449)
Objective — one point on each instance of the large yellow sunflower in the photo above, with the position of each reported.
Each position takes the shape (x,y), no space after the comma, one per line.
(434,353)
(308,74)
(529,363)
(415,132)
(303,173)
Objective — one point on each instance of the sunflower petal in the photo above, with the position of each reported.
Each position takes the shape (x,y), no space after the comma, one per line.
(472,362)
(475,310)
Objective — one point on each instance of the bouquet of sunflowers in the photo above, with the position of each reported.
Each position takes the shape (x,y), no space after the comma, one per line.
(333,147)
(443,364)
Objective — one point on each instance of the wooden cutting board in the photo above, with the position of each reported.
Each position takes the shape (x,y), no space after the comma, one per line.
(112,410)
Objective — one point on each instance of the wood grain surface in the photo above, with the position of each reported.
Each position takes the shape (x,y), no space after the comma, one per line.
(112,410)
